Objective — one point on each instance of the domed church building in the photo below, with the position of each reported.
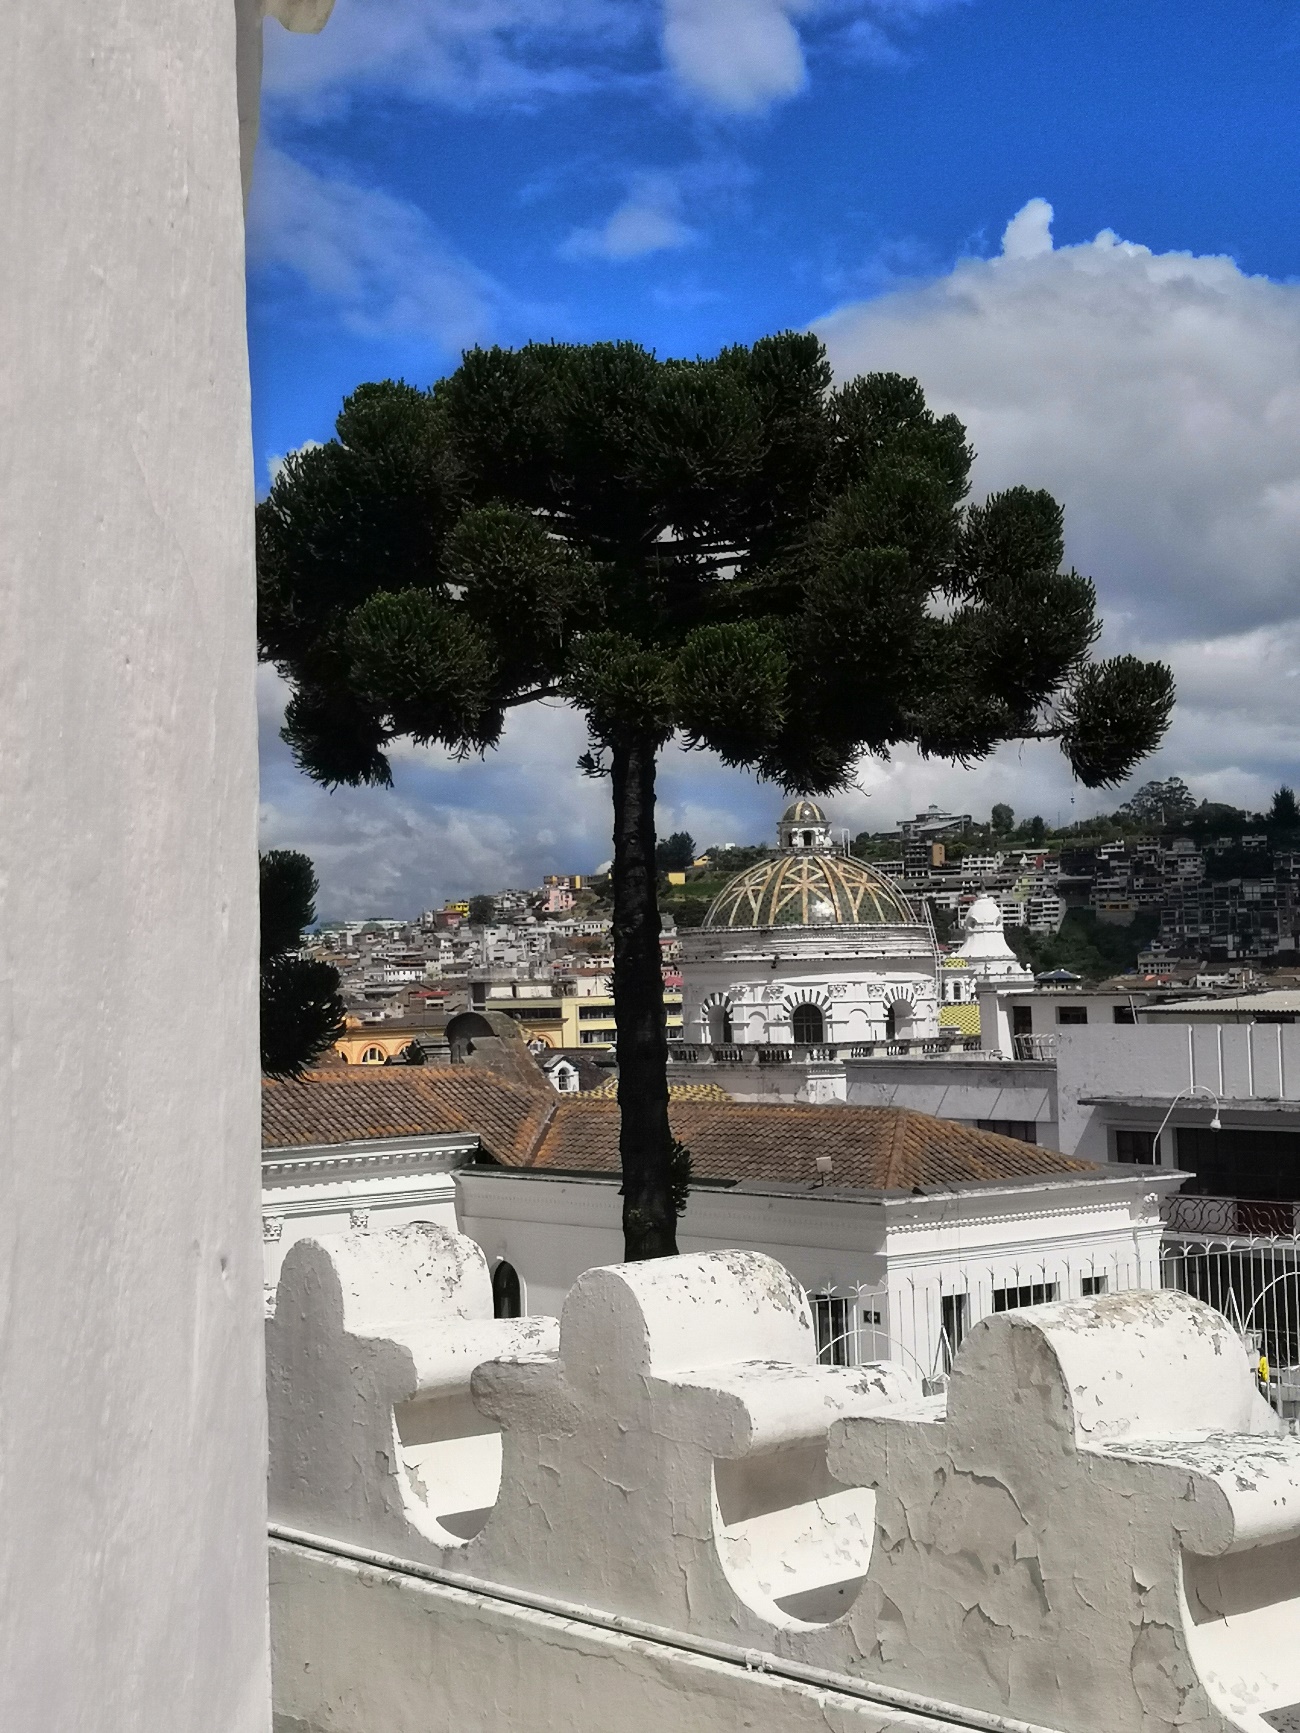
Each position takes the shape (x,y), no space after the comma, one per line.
(809,947)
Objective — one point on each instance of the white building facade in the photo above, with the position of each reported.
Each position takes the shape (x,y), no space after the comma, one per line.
(808,948)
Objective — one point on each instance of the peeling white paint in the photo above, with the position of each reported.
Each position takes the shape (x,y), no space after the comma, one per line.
(1099,1531)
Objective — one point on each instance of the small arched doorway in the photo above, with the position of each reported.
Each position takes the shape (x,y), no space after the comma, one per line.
(898,1020)
(808,1025)
(507,1299)
(720,1031)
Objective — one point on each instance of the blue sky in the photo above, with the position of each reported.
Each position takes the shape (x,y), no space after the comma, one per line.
(699,172)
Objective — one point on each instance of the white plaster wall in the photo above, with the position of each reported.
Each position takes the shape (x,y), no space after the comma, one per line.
(132,1436)
(359,1650)
(1237,1062)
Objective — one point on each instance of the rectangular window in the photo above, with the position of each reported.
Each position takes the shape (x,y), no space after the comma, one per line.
(1024,1129)
(1124,1014)
(953,1313)
(831,1316)
(1034,1294)
(1090,1286)
(1136,1146)
(1071,1014)
(1022,1020)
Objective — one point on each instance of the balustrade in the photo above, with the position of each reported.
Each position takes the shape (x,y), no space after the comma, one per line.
(1097,1527)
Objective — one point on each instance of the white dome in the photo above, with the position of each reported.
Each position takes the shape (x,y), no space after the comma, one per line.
(983,916)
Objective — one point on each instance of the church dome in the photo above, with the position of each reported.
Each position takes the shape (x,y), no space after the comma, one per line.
(803,812)
(810,890)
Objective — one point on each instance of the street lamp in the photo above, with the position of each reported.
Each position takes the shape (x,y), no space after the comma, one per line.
(1216,1124)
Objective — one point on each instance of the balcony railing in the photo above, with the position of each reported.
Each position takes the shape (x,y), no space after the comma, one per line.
(1034,1046)
(819,1052)
(1239,1217)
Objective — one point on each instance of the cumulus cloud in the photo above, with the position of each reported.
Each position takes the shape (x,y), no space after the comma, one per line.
(648,221)
(1157,395)
(377,258)
(741,55)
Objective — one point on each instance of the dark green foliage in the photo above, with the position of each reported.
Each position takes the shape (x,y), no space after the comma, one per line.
(689,911)
(1088,947)
(734,551)
(679,1172)
(1002,819)
(482,911)
(302,1013)
(1163,805)
(286,899)
(301,1008)
(676,852)
(1284,814)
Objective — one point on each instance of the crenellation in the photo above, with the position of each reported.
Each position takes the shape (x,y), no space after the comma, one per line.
(1097,1527)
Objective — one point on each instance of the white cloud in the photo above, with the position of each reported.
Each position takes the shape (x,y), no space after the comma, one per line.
(1157,395)
(1029,232)
(741,55)
(648,221)
(737,55)
(378,258)
(458,52)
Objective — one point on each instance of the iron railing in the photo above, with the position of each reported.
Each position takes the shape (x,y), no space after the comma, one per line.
(921,1320)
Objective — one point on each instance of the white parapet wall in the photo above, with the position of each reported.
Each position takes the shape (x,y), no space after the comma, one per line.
(132,1433)
(672,1515)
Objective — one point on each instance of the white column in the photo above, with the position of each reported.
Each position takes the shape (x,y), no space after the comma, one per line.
(132,1432)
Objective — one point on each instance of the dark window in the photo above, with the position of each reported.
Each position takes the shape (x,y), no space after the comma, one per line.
(1089,1286)
(1071,1014)
(1123,1014)
(1024,1129)
(1137,1146)
(809,1025)
(1241,1163)
(952,1319)
(1022,1020)
(507,1302)
(1034,1294)
(831,1316)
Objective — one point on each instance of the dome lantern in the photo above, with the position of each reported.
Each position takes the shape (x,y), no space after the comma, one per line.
(803,825)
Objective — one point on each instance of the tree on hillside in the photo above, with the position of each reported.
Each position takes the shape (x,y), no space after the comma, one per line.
(1002,819)
(302,1010)
(482,911)
(731,551)
(675,853)
(1162,804)
(1284,814)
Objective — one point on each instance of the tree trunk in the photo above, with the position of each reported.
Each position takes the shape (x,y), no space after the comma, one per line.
(645,1141)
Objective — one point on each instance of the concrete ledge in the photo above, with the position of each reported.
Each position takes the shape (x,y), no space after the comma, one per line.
(359,1648)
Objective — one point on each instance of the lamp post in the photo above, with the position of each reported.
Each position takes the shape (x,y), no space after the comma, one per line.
(1216,1124)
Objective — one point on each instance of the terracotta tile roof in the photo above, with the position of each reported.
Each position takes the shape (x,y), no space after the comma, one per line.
(872,1148)
(354,1103)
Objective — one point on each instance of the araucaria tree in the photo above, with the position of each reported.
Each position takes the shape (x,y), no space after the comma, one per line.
(732,551)
(302,1008)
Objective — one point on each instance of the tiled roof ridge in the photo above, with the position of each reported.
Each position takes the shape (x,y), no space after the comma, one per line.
(896,1174)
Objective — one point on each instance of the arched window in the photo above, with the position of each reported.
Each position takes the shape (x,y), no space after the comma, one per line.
(507,1302)
(373,1056)
(898,1020)
(809,1025)
(720,1032)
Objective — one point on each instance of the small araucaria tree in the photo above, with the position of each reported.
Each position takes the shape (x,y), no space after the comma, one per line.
(731,551)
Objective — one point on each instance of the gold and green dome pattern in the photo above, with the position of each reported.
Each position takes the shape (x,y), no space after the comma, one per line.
(810,890)
(803,811)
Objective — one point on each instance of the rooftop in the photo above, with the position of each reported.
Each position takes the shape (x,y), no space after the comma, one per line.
(871,1148)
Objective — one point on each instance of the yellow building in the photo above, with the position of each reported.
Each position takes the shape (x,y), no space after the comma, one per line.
(589,1022)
